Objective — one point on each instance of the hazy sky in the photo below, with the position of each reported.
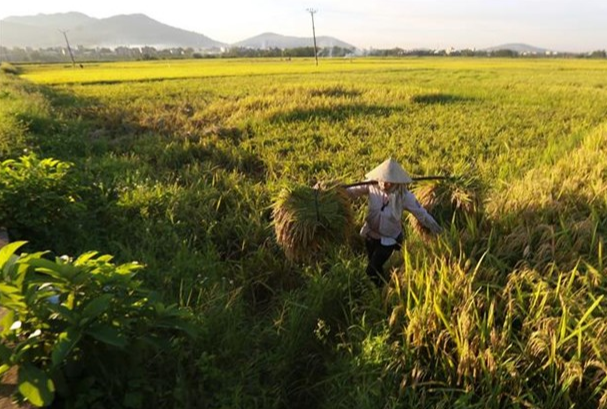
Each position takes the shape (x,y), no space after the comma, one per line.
(562,25)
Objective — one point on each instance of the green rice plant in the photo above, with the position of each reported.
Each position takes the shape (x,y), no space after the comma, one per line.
(453,331)
(559,332)
(450,201)
(552,214)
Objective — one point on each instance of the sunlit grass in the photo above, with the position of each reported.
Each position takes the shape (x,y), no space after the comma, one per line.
(173,69)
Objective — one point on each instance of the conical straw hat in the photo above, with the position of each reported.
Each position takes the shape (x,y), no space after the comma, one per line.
(389,171)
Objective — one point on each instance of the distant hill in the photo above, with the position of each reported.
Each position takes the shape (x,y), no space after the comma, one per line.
(42,31)
(133,30)
(23,35)
(59,21)
(273,40)
(138,29)
(519,48)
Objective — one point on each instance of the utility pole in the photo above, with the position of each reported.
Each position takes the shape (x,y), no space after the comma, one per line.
(312,12)
(68,47)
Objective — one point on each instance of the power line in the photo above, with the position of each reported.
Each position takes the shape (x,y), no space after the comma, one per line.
(312,12)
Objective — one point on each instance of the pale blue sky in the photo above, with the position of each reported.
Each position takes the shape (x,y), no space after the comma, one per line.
(562,25)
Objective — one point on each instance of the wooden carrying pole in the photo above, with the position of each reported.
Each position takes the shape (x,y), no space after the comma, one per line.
(415,179)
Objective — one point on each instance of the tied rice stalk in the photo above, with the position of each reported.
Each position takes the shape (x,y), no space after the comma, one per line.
(308,220)
(448,201)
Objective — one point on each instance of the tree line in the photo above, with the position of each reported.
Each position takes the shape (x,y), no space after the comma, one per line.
(83,54)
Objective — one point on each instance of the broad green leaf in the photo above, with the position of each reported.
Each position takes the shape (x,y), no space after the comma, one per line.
(98,306)
(19,272)
(12,271)
(63,312)
(3,369)
(13,302)
(35,386)
(34,256)
(107,334)
(65,343)
(129,269)
(45,281)
(8,289)
(7,251)
(6,322)
(106,258)
(5,353)
(47,267)
(70,301)
(21,350)
(85,257)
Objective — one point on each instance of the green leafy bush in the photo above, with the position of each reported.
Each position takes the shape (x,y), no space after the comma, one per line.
(81,331)
(38,198)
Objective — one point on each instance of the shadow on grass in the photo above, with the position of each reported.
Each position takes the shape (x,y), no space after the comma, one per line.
(335,92)
(438,98)
(337,113)
(167,141)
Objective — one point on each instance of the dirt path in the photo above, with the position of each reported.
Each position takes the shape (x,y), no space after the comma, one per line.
(7,387)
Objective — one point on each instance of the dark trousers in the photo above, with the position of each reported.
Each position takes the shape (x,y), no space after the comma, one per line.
(378,254)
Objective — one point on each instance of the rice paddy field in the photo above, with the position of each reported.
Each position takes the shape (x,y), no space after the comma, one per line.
(177,164)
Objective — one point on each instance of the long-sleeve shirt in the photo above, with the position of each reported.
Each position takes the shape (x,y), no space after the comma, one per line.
(385,211)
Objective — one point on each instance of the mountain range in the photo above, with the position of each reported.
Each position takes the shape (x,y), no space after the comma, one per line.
(133,30)
(136,30)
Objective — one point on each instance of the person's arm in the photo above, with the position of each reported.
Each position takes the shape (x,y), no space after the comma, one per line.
(357,191)
(421,214)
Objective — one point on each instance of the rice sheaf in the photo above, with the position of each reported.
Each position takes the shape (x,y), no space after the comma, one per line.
(308,220)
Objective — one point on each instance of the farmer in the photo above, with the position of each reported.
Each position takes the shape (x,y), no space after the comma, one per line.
(388,198)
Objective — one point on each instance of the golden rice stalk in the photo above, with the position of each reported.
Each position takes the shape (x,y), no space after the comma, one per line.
(448,200)
(307,220)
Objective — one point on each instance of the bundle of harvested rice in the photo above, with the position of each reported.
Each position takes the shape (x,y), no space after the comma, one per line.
(307,219)
(452,200)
